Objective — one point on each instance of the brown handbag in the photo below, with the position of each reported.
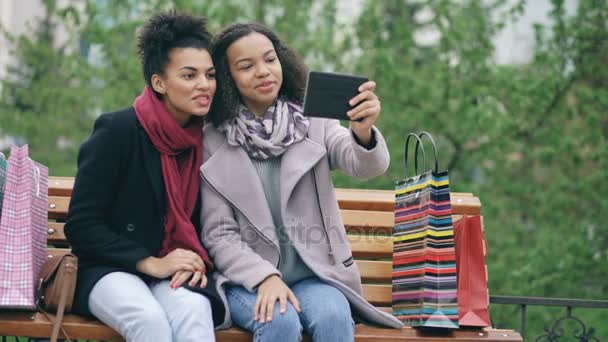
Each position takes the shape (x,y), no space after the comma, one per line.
(57,283)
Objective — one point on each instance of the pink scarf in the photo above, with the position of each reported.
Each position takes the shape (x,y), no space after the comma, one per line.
(181,156)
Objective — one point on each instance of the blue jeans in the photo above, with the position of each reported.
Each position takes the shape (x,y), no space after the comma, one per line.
(325,314)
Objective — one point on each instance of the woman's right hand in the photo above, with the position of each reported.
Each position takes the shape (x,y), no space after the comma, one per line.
(271,289)
(177,260)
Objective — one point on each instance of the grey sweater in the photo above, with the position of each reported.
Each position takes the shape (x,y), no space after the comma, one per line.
(291,266)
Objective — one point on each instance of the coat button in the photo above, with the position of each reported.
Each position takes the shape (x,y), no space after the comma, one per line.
(130,227)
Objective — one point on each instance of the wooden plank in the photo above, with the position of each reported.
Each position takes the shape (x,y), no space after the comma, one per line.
(384,200)
(352,199)
(368,222)
(365,333)
(363,246)
(376,271)
(378,295)
(61,186)
(56,235)
(371,246)
(35,325)
(58,207)
(354,220)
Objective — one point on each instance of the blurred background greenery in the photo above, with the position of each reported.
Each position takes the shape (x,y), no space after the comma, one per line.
(529,138)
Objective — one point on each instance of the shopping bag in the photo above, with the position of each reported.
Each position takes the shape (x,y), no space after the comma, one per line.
(22,230)
(424,260)
(471,251)
(2,179)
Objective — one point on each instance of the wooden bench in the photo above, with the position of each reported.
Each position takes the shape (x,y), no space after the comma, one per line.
(368,217)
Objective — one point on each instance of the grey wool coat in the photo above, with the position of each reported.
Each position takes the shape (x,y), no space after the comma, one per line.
(237,226)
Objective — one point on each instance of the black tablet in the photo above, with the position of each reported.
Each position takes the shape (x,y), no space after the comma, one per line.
(327,94)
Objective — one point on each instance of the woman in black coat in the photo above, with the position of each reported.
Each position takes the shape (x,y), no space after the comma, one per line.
(132,219)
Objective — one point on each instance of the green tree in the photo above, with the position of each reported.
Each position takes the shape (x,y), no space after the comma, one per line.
(529,139)
(45,94)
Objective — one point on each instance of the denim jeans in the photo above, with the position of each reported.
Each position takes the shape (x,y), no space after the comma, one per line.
(325,315)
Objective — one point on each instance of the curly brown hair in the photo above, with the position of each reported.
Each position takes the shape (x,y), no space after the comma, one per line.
(227,98)
(166,31)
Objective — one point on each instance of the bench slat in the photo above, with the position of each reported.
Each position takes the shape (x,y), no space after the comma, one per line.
(36,325)
(363,246)
(384,200)
(352,199)
(61,186)
(374,271)
(355,221)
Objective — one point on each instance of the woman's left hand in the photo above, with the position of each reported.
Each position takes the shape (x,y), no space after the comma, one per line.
(181,277)
(365,113)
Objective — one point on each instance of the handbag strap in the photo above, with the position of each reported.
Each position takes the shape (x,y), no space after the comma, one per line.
(59,317)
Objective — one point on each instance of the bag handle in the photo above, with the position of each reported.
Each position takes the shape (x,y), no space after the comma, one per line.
(427,134)
(36,177)
(419,142)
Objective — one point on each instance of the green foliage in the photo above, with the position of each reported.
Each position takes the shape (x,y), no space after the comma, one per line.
(529,139)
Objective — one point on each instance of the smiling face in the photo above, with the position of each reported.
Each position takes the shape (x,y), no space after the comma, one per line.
(256,71)
(187,84)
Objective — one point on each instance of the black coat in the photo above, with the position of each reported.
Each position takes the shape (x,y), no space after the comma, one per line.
(116,214)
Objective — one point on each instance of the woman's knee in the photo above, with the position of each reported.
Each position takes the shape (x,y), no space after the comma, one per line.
(330,311)
(285,326)
(150,322)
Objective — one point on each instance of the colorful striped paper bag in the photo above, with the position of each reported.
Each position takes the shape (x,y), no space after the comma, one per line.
(22,230)
(424,260)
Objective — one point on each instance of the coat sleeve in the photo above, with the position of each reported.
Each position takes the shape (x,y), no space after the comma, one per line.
(347,155)
(96,186)
(221,236)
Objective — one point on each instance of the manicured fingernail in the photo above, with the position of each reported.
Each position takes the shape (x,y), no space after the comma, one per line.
(269,319)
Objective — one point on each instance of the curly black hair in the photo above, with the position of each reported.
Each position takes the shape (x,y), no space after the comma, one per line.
(227,98)
(166,31)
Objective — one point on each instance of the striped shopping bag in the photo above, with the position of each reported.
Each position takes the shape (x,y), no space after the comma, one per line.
(424,260)
(22,230)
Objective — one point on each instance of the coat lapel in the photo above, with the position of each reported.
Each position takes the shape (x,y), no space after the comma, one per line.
(153,168)
(232,174)
(297,161)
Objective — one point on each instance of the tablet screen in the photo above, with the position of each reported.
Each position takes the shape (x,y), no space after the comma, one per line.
(327,94)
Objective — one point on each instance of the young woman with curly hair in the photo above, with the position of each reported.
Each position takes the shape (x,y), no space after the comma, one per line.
(270,216)
(133,220)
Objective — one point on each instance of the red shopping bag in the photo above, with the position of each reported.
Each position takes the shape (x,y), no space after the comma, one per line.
(22,230)
(472,275)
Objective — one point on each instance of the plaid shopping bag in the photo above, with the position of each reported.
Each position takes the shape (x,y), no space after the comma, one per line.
(424,260)
(22,230)
(2,179)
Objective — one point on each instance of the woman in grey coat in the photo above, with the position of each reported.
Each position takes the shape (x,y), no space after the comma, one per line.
(270,217)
